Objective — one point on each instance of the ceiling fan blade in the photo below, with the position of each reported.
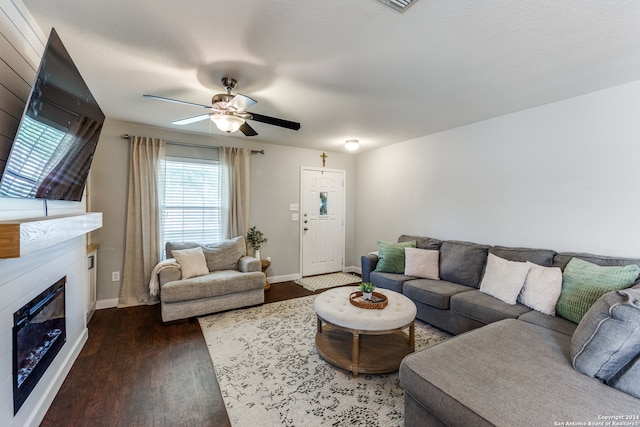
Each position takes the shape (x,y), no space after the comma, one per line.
(241,102)
(276,122)
(247,130)
(161,98)
(191,119)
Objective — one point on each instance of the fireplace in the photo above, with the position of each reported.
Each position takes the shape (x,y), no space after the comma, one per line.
(39,332)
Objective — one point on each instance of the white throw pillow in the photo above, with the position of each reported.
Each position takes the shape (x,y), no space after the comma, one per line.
(421,263)
(504,279)
(192,262)
(542,288)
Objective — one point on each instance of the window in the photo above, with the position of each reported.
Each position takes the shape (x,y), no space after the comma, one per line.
(192,208)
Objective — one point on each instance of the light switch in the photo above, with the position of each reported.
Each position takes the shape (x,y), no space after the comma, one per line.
(295,217)
(293,207)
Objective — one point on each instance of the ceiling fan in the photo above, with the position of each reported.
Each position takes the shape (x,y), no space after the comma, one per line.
(228,111)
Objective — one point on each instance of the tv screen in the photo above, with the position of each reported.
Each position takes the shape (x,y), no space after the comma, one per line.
(54,146)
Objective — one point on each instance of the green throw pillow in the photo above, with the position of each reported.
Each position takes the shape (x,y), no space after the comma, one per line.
(584,282)
(391,256)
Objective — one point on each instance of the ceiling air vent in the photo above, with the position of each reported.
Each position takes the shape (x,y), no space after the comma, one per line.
(400,5)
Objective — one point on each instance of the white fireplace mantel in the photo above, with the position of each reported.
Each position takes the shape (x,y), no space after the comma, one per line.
(24,236)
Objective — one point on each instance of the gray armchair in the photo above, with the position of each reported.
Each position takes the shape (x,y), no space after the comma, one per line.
(234,280)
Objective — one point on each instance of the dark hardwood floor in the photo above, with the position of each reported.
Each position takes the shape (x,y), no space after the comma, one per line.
(136,371)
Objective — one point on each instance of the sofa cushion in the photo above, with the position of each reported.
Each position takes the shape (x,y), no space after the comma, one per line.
(542,288)
(498,374)
(421,242)
(608,336)
(192,262)
(562,259)
(391,256)
(627,379)
(225,255)
(392,281)
(435,293)
(462,262)
(485,308)
(217,283)
(542,257)
(503,279)
(555,323)
(423,263)
(584,282)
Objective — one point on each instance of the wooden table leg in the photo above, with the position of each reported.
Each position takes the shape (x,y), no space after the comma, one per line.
(412,336)
(355,355)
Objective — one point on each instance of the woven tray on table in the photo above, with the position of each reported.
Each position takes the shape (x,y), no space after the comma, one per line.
(378,301)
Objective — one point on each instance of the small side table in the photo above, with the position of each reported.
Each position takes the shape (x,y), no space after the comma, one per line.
(265,265)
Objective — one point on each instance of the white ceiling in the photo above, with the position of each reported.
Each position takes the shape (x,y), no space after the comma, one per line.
(345,69)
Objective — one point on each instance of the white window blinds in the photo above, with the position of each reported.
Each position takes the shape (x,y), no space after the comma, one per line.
(192,201)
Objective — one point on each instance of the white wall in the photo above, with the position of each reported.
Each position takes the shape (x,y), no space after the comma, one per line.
(562,176)
(275,183)
(22,279)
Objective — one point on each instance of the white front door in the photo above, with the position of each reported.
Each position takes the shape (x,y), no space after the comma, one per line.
(322,221)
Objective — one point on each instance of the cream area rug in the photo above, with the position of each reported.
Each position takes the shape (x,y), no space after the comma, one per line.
(324,281)
(271,374)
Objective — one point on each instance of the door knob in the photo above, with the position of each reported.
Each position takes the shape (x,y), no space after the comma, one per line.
(305,229)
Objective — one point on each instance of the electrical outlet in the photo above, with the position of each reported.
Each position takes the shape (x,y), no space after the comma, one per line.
(115,276)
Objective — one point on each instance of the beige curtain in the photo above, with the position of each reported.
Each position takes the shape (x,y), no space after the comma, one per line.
(143,240)
(235,170)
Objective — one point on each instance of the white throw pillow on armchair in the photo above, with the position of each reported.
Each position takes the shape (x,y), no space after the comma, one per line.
(192,262)
(503,279)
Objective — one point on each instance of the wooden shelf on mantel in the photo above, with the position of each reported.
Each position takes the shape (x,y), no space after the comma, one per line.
(23,236)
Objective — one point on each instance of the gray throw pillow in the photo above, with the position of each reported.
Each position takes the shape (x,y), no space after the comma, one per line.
(421,242)
(225,254)
(543,257)
(608,336)
(462,262)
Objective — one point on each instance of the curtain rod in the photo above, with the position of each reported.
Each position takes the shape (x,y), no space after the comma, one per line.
(185,144)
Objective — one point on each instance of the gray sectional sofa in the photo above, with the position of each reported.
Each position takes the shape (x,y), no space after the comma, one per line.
(510,365)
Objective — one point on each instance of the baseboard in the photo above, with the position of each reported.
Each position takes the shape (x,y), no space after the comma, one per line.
(106,303)
(285,278)
(353,269)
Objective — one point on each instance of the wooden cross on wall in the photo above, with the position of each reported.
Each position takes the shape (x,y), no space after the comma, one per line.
(324,159)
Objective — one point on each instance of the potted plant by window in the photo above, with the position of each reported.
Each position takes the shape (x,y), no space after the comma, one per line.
(367,289)
(256,239)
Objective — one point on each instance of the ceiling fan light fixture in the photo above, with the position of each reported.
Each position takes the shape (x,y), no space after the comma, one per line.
(352,144)
(227,122)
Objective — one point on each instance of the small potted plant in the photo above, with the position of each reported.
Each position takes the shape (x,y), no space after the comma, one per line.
(367,289)
(256,239)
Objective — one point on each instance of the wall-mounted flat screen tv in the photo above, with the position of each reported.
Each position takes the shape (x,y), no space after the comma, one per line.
(57,136)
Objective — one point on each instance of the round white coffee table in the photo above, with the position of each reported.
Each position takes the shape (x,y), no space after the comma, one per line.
(370,341)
